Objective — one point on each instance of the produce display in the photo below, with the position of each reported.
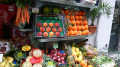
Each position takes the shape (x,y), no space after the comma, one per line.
(77,23)
(34,59)
(58,56)
(104,61)
(49,27)
(7,62)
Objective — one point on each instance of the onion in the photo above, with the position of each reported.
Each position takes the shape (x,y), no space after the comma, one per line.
(54,55)
(52,51)
(63,62)
(64,54)
(58,56)
(58,59)
(59,62)
(62,58)
(54,58)
(61,55)
(58,53)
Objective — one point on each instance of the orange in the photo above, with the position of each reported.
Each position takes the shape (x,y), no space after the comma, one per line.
(83,32)
(76,13)
(83,63)
(77,17)
(74,28)
(71,32)
(86,27)
(85,18)
(78,28)
(81,17)
(90,66)
(80,32)
(73,22)
(66,11)
(67,17)
(69,27)
(85,22)
(82,28)
(67,33)
(80,22)
(72,18)
(75,33)
(83,13)
(87,31)
(77,22)
(80,13)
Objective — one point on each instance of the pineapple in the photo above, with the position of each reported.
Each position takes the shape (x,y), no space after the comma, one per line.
(70,58)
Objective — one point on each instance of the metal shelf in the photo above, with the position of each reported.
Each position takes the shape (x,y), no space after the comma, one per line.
(68,3)
(64,38)
(24,30)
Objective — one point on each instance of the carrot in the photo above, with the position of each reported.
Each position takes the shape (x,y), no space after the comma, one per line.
(18,14)
(28,17)
(22,20)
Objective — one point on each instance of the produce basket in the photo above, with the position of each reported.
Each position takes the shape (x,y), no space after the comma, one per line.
(49,26)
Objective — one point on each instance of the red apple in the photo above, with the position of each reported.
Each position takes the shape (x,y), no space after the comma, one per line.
(42,29)
(57,33)
(56,24)
(39,24)
(60,29)
(39,34)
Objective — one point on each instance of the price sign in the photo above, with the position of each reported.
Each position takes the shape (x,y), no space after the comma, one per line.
(55,46)
(35,10)
(1,56)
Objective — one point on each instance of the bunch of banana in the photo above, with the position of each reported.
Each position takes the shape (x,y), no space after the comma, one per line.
(7,62)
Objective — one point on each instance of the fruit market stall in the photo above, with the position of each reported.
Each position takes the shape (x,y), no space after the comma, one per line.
(45,35)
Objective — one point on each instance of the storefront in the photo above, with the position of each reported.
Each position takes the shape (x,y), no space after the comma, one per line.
(57,33)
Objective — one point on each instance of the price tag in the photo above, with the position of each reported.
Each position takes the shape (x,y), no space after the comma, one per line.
(1,56)
(55,45)
(35,10)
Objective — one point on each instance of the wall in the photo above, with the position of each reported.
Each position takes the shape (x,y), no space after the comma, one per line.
(104,29)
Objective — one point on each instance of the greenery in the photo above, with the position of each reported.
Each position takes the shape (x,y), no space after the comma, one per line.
(103,8)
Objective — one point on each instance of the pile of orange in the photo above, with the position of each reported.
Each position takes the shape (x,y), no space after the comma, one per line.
(84,64)
(78,24)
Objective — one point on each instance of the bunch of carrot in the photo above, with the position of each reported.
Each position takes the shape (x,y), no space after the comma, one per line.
(22,16)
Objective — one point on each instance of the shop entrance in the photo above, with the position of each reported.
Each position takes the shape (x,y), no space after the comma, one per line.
(115,32)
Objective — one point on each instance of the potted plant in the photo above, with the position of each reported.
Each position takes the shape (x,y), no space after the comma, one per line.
(103,8)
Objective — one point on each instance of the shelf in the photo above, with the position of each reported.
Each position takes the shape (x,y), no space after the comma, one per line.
(64,38)
(67,3)
(24,30)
